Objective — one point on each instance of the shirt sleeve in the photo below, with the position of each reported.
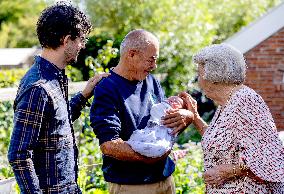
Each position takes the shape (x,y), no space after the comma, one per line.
(260,147)
(104,114)
(77,103)
(28,117)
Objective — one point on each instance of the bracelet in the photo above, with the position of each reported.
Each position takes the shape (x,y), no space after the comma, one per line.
(234,171)
(243,167)
(204,127)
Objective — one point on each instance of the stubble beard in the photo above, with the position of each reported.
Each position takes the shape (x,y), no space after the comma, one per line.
(70,57)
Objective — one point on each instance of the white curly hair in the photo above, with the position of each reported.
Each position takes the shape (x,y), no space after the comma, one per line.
(222,64)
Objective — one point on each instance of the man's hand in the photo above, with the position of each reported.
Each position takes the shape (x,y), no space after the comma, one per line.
(177,119)
(92,82)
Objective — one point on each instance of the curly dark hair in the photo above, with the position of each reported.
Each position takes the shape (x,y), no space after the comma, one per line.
(60,20)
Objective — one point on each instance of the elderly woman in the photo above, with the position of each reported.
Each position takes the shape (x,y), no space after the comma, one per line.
(242,150)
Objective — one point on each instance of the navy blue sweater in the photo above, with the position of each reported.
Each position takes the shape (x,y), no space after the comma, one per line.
(121,106)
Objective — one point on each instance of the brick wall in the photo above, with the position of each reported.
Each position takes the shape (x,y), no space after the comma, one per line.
(265,74)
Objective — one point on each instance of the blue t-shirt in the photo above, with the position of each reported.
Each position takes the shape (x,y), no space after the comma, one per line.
(120,107)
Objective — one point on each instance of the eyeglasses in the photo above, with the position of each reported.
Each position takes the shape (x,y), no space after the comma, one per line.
(84,39)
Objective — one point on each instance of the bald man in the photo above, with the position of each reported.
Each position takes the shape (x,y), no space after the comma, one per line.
(122,104)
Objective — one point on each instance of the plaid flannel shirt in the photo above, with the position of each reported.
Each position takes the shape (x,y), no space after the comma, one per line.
(43,151)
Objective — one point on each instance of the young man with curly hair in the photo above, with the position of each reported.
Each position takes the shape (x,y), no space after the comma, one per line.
(43,151)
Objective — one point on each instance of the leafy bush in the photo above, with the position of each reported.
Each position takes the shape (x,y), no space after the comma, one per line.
(11,77)
(101,54)
(90,157)
(188,174)
(18,22)
(74,74)
(6,126)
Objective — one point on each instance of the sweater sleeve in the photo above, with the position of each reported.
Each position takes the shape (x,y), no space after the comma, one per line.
(77,103)
(104,114)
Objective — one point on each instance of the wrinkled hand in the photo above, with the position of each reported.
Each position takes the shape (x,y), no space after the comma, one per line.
(190,102)
(92,82)
(177,119)
(218,175)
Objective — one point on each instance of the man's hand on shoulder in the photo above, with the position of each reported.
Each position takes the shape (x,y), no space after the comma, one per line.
(92,82)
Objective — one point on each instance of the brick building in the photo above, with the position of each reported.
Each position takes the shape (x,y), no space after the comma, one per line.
(262,43)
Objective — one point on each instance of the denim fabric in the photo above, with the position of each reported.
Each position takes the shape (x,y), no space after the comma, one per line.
(43,151)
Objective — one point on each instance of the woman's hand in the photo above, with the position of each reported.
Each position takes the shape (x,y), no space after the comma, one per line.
(92,82)
(190,103)
(218,175)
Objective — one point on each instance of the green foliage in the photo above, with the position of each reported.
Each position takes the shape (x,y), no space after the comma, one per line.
(11,77)
(189,135)
(90,158)
(74,74)
(20,34)
(182,26)
(104,56)
(188,174)
(11,10)
(231,16)
(17,22)
(100,54)
(6,126)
